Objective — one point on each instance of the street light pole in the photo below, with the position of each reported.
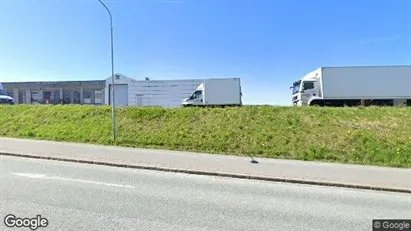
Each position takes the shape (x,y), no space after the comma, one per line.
(112,101)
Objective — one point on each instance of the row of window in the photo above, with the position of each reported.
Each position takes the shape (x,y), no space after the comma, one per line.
(53,97)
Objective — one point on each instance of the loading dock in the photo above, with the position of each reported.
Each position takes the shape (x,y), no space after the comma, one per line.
(63,92)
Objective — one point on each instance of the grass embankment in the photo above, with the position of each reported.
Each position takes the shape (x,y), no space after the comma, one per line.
(372,136)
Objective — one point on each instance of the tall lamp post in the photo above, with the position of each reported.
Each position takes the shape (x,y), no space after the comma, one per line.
(112,101)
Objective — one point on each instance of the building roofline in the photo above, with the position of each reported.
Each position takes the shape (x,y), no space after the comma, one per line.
(182,79)
(51,82)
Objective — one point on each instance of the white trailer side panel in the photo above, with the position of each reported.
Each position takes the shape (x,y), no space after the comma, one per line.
(376,82)
(222,91)
(163,93)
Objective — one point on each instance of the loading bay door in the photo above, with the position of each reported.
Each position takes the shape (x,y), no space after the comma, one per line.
(120,95)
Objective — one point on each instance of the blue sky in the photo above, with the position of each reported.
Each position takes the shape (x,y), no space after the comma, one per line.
(268,43)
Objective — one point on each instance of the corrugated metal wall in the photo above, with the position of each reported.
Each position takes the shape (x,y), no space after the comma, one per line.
(164,93)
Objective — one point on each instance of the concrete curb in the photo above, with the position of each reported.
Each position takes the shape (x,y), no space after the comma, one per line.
(209,173)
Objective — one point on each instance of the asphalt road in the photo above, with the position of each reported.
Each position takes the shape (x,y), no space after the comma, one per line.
(88,197)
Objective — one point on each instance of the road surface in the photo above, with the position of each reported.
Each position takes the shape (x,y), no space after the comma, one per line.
(89,197)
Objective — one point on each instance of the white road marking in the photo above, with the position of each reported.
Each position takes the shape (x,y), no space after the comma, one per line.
(42,176)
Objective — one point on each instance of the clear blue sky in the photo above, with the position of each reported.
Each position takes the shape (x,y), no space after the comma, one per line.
(268,43)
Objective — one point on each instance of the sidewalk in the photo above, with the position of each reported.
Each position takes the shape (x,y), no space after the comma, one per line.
(365,177)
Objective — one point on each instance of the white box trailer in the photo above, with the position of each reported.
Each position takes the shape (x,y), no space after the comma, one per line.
(216,92)
(352,86)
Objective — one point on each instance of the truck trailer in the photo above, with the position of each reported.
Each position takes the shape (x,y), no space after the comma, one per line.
(216,92)
(354,86)
(4,98)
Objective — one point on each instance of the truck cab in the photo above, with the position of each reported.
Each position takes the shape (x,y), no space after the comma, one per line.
(304,90)
(4,98)
(196,98)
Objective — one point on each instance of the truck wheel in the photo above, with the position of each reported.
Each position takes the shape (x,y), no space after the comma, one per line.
(317,104)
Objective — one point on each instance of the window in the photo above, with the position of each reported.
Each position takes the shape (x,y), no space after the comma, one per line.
(77,97)
(296,87)
(22,97)
(87,97)
(56,97)
(35,97)
(66,97)
(98,97)
(196,95)
(308,85)
(87,94)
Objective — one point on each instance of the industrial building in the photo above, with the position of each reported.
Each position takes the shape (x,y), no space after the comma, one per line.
(128,92)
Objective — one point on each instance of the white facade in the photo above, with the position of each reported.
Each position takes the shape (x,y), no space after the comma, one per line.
(164,93)
(121,91)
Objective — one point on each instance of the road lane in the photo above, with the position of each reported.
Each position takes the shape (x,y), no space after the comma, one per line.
(87,197)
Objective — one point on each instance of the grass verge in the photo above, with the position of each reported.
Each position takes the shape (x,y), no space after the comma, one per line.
(370,136)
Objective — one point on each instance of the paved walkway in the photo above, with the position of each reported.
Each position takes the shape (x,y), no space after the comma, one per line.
(391,179)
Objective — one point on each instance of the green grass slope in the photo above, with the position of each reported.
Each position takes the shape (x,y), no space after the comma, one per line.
(372,136)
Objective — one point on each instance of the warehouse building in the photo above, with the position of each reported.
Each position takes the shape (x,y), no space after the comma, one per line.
(164,93)
(128,92)
(63,92)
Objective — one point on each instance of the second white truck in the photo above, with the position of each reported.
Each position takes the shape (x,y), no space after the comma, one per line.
(216,92)
(354,86)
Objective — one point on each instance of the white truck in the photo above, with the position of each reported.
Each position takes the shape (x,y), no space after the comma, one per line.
(4,98)
(354,86)
(216,92)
